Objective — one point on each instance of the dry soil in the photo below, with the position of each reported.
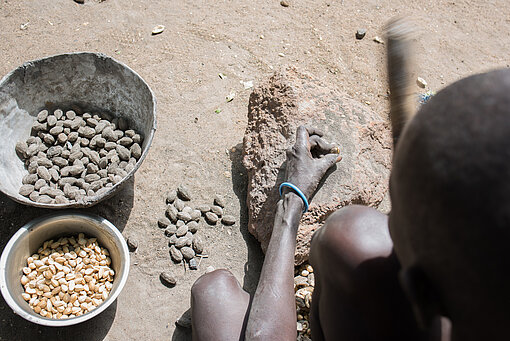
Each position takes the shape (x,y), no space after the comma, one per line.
(194,145)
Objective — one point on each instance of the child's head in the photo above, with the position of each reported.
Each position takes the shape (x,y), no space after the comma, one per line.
(450,191)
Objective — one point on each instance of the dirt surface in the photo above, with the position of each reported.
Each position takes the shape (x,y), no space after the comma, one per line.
(193,145)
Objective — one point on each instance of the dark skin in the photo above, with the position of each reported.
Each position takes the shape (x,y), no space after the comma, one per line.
(231,309)
(354,265)
(442,252)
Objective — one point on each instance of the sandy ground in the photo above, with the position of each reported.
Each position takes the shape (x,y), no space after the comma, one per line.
(245,41)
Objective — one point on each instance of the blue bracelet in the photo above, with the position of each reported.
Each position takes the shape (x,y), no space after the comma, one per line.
(298,192)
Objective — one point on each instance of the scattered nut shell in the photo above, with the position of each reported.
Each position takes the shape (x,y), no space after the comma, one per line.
(158,29)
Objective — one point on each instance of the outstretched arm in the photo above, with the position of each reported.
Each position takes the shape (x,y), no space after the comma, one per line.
(273,311)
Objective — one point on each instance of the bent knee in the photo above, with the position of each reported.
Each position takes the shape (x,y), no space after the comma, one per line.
(215,283)
(350,236)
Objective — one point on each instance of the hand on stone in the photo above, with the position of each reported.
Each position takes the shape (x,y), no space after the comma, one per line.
(309,159)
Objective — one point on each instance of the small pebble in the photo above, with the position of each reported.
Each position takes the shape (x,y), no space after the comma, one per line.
(183,193)
(193,264)
(360,33)
(422,83)
(132,244)
(211,218)
(284,3)
(61,138)
(60,199)
(34,196)
(48,139)
(167,279)
(158,29)
(228,220)
(70,114)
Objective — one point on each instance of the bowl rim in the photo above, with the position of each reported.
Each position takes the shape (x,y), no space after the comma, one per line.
(74,320)
(113,190)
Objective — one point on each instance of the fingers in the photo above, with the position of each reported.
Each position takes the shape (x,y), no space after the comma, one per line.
(304,134)
(321,147)
(302,137)
(329,160)
(314,131)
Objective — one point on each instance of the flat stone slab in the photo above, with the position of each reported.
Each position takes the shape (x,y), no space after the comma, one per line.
(277,107)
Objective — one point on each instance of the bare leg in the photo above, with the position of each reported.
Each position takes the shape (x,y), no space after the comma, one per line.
(357,294)
(217,304)
(273,311)
(219,307)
